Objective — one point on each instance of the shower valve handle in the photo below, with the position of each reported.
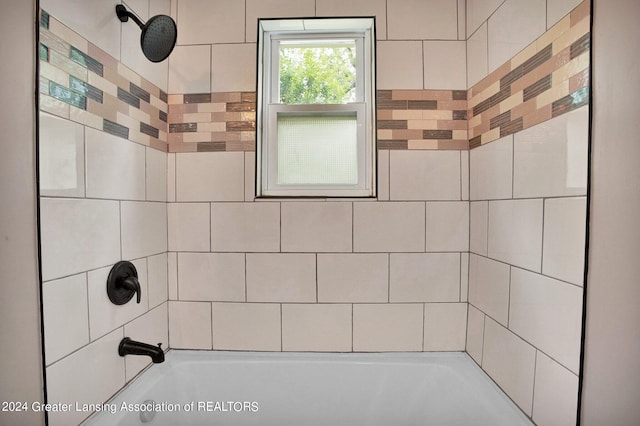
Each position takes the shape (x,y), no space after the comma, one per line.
(132,284)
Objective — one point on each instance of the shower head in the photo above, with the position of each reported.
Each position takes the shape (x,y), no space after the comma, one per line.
(158,36)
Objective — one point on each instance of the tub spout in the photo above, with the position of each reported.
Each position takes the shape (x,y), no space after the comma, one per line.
(131,347)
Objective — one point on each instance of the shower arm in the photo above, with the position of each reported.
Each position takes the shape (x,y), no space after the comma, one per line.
(124,15)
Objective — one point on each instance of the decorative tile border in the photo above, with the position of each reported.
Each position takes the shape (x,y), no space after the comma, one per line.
(82,83)
(212,122)
(548,78)
(422,119)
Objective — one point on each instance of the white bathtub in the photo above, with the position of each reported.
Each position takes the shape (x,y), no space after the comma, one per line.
(240,388)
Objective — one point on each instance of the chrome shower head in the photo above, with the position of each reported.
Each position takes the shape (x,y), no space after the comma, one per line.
(158,36)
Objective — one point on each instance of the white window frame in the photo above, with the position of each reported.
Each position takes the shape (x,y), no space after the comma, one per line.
(271,32)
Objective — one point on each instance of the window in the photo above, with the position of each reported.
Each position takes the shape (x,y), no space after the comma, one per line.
(316,108)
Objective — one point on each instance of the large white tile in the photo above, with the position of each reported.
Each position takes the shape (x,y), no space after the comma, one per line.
(422,19)
(388,327)
(151,328)
(564,238)
(515,232)
(144,228)
(399,65)
(478,11)
(61,153)
(424,175)
(233,67)
(190,68)
(555,398)
(172,275)
(78,235)
(550,159)
(89,376)
(511,362)
(389,227)
(115,167)
(189,226)
(445,65)
(157,269)
(558,9)
(383,174)
(247,326)
(316,226)
(65,316)
(464,174)
(512,27)
(491,167)
(247,227)
(104,316)
(210,176)
(210,21)
(249,176)
(448,226)
(156,175)
(475,333)
(445,326)
(211,276)
(280,277)
(190,325)
(275,9)
(477,56)
(377,8)
(318,327)
(95,20)
(353,278)
(171,177)
(479,227)
(489,287)
(424,277)
(548,314)
(464,277)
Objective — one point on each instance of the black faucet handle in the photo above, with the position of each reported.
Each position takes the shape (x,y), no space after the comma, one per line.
(160,345)
(131,283)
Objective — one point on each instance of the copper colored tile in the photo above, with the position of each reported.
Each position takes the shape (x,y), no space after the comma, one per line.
(174,138)
(211,146)
(523,109)
(537,88)
(407,134)
(437,95)
(246,146)
(226,116)
(248,136)
(453,105)
(475,142)
(422,144)
(580,46)
(496,75)
(383,95)
(240,106)
(197,98)
(483,127)
(108,109)
(183,147)
(492,101)
(159,145)
(580,12)
(237,126)
(452,125)
(384,114)
(248,97)
(459,95)
(406,95)
(382,104)
(536,117)
(226,97)
(511,127)
(454,145)
(500,120)
(437,134)
(579,80)
(183,109)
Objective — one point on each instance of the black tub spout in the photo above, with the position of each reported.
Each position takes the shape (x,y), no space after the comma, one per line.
(131,347)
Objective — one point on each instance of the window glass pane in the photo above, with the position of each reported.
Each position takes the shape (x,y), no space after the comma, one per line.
(317,72)
(317,150)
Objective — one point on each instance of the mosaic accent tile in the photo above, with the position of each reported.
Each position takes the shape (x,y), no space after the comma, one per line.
(85,89)
(139,92)
(44,19)
(80,82)
(115,129)
(149,130)
(67,96)
(164,97)
(197,98)
(86,61)
(182,127)
(211,146)
(548,78)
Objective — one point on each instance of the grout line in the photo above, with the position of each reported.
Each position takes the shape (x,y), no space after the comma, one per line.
(424,318)
(211,322)
(533,393)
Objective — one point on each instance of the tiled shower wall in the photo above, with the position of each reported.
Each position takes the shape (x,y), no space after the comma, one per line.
(103,188)
(528,200)
(319,275)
